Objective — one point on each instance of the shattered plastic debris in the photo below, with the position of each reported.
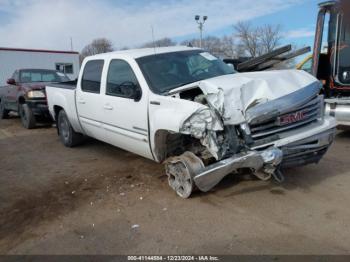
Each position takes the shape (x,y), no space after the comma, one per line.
(135,226)
(203,125)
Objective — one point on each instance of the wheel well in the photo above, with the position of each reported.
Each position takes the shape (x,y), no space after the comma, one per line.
(57,110)
(167,144)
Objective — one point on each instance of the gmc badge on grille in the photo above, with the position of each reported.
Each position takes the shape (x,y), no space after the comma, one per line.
(291,118)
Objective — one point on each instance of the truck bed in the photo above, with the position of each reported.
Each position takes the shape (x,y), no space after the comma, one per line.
(62,96)
(65,85)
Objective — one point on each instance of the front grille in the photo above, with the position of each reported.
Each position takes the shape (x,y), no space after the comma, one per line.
(269,130)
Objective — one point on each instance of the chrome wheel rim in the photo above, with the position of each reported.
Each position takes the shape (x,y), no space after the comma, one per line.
(64,128)
(179,179)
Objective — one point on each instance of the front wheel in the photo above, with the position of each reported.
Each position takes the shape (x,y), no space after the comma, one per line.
(68,136)
(27,116)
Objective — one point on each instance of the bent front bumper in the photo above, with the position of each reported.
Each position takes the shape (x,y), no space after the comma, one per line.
(267,160)
(298,149)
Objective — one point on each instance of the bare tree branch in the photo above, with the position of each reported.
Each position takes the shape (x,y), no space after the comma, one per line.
(97,46)
(270,37)
(164,42)
(258,40)
(224,47)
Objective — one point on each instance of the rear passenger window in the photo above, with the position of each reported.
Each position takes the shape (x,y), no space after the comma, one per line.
(91,81)
(121,80)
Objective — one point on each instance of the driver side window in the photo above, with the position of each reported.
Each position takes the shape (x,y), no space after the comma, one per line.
(121,80)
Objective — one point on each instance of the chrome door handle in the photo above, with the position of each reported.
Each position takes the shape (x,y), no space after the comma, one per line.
(81,101)
(108,107)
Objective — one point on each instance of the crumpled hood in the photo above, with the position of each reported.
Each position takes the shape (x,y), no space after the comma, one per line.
(233,95)
(246,98)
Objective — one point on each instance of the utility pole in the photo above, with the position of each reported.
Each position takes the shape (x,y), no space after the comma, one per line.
(200,23)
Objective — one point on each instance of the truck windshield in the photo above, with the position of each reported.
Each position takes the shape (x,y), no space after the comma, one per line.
(40,75)
(168,71)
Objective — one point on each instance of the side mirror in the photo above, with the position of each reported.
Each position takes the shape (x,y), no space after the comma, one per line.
(131,90)
(11,81)
(137,93)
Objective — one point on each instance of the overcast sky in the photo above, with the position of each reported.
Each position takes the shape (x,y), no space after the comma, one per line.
(49,24)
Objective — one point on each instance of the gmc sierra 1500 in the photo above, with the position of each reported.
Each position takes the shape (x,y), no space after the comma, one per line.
(186,108)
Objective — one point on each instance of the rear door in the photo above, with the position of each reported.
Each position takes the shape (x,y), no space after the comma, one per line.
(126,117)
(89,99)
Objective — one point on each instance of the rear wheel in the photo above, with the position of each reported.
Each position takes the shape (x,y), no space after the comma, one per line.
(68,136)
(3,112)
(27,116)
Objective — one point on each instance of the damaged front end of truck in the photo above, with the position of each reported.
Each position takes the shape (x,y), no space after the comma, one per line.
(249,128)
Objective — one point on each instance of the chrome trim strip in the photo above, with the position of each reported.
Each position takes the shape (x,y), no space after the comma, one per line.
(103,123)
(140,129)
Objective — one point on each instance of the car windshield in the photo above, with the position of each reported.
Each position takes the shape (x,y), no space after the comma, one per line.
(168,71)
(39,75)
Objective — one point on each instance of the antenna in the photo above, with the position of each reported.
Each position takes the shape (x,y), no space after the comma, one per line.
(154,42)
(71,43)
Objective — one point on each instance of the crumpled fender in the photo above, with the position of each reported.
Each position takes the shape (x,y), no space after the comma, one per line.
(169,114)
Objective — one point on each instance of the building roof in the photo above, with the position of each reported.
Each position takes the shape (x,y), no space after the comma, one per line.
(37,50)
(137,53)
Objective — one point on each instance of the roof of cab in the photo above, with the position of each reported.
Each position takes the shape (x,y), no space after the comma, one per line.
(137,53)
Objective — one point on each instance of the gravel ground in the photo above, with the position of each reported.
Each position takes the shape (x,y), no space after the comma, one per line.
(98,199)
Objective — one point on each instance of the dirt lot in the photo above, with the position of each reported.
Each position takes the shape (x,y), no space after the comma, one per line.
(97,199)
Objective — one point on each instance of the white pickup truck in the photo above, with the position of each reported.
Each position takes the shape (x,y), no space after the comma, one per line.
(184,107)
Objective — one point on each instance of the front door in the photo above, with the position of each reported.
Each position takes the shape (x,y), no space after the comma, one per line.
(125,109)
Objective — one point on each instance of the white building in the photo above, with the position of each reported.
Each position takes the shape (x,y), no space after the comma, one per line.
(12,59)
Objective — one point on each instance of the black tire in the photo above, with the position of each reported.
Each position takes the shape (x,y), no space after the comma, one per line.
(68,136)
(27,116)
(4,113)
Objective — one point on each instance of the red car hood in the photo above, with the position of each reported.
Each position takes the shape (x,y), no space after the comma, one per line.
(34,86)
